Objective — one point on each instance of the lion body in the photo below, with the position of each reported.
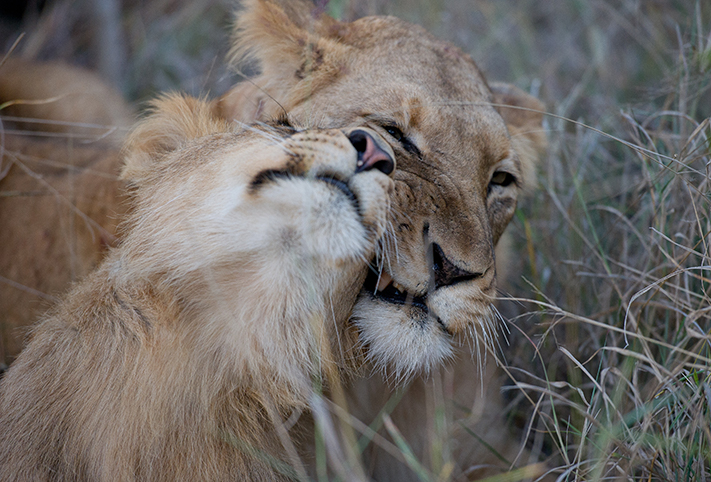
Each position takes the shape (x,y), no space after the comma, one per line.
(465,150)
(59,166)
(115,384)
(72,198)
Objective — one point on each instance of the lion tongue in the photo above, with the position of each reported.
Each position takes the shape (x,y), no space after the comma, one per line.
(384,280)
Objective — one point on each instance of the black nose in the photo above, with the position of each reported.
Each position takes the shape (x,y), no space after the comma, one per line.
(445,272)
(370,155)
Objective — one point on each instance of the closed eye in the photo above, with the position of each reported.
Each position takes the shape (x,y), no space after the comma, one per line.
(283,121)
(396,133)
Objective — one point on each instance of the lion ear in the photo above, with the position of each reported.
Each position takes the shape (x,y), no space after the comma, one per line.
(265,33)
(296,50)
(523,115)
(173,119)
(276,33)
(245,103)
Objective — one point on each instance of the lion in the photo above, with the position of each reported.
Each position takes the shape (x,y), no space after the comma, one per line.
(462,169)
(63,99)
(466,150)
(60,130)
(269,229)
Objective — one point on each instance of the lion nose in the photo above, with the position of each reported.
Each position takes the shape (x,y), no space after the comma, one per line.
(445,272)
(370,154)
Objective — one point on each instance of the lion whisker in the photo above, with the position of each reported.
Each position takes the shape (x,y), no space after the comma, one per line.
(341,352)
(277,140)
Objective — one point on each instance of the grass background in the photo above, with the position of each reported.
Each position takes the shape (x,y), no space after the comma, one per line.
(610,345)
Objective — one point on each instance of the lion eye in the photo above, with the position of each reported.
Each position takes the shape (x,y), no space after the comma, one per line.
(395,132)
(502,178)
(404,141)
(283,121)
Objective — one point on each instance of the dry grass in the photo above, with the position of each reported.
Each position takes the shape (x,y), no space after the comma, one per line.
(619,256)
(615,245)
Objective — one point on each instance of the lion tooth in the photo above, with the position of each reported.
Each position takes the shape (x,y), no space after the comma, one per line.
(399,287)
(384,281)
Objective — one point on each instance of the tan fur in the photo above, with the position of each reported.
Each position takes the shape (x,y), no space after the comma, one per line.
(62,98)
(213,317)
(381,71)
(60,195)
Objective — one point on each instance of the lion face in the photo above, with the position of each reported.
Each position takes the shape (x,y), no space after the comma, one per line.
(261,225)
(459,175)
(456,190)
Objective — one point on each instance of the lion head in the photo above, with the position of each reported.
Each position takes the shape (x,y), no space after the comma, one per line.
(465,150)
(259,231)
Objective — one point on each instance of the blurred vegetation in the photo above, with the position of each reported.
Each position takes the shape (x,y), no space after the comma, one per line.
(613,249)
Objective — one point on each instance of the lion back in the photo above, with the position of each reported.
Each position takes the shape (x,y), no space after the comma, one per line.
(59,176)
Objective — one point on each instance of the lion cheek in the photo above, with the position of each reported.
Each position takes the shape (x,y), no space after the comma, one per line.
(465,311)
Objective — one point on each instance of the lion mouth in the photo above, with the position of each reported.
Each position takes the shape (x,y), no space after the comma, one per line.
(382,286)
(340,186)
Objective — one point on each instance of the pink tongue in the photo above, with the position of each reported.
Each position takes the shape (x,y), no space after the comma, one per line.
(384,281)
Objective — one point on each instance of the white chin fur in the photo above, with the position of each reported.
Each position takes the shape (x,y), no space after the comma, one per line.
(396,344)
